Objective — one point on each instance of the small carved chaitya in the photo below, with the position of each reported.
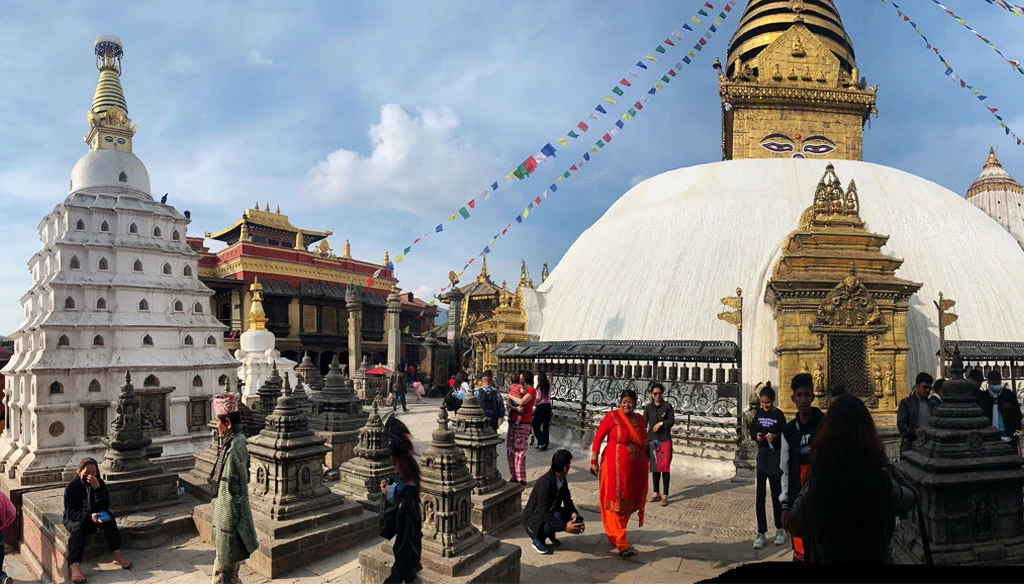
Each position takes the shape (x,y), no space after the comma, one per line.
(848,331)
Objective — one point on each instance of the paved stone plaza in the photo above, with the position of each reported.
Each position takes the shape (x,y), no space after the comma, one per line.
(706,528)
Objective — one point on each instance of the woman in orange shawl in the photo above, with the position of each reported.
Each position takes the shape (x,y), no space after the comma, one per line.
(623,470)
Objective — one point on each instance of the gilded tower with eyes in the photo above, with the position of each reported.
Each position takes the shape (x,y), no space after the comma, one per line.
(790,86)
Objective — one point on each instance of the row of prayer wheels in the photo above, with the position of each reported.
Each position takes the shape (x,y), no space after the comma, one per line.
(625,370)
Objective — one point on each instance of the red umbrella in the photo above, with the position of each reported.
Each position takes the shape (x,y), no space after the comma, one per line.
(378,370)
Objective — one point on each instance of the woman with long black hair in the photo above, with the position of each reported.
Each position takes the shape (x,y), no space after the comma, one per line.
(400,516)
(542,412)
(845,509)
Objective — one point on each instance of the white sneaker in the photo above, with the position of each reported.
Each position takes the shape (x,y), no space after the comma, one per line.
(759,541)
(780,537)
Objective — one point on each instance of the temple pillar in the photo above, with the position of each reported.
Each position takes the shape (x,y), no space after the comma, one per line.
(453,549)
(455,297)
(298,518)
(497,503)
(394,334)
(354,305)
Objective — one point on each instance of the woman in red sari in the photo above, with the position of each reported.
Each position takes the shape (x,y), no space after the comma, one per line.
(623,470)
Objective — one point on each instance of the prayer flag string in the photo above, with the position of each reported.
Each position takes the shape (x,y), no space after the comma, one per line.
(1013,62)
(529,165)
(1007,6)
(951,73)
(604,140)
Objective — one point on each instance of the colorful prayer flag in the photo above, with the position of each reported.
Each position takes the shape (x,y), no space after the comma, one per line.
(582,126)
(660,49)
(439,228)
(620,123)
(601,109)
(464,213)
(600,144)
(617,91)
(672,72)
(625,82)
(632,112)
(609,99)
(566,174)
(398,259)
(407,250)
(669,42)
(687,27)
(554,188)
(641,64)
(563,141)
(651,58)
(494,186)
(452,217)
(658,85)
(586,156)
(573,134)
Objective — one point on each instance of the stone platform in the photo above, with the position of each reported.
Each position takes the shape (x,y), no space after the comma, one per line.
(298,542)
(342,448)
(45,539)
(493,561)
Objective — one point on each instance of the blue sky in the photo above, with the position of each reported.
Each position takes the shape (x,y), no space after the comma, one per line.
(379,118)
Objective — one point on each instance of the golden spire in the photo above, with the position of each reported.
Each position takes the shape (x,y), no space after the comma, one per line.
(243,233)
(257,318)
(348,251)
(386,259)
(278,211)
(109,125)
(523,279)
(267,208)
(992,161)
(764,21)
(257,207)
(484,276)
(299,242)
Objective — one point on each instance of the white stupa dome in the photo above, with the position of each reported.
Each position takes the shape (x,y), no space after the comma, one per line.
(110,169)
(656,265)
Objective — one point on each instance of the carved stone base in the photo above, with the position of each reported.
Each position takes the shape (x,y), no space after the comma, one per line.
(45,544)
(490,561)
(907,549)
(342,448)
(287,545)
(360,478)
(746,462)
(497,512)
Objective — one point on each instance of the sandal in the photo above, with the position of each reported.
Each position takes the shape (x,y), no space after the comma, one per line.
(654,497)
(80,580)
(664,501)
(125,564)
(627,553)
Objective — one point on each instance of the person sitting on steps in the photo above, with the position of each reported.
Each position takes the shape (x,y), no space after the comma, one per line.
(87,509)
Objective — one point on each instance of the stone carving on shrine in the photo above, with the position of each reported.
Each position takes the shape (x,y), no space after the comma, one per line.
(968,483)
(452,547)
(497,503)
(298,518)
(361,475)
(309,373)
(337,417)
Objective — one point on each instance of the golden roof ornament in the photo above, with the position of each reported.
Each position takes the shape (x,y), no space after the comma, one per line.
(484,275)
(278,210)
(992,160)
(257,318)
(386,259)
(299,242)
(110,128)
(267,208)
(347,254)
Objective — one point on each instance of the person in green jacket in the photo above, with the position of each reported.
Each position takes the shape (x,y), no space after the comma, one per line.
(234,534)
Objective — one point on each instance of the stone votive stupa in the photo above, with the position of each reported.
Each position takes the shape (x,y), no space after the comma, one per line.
(453,549)
(968,483)
(298,518)
(360,476)
(337,417)
(310,373)
(199,482)
(497,503)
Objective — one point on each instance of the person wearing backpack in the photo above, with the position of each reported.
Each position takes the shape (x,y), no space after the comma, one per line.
(458,391)
(490,400)
(521,396)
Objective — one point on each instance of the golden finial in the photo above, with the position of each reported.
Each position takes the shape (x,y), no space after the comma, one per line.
(484,275)
(243,234)
(348,251)
(257,318)
(109,125)
(386,259)
(299,242)
(278,211)
(267,208)
(257,207)
(992,160)
(524,280)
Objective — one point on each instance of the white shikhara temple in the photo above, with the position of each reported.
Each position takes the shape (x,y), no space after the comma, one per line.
(114,289)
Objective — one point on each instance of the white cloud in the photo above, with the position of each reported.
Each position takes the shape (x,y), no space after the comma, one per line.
(258,59)
(415,163)
(181,63)
(424,292)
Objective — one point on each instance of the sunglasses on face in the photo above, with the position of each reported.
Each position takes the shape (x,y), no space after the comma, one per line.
(656,393)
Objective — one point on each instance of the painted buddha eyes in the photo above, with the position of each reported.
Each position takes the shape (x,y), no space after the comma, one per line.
(777,147)
(798,145)
(818,148)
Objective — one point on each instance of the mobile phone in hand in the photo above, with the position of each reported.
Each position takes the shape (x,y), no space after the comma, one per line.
(104,516)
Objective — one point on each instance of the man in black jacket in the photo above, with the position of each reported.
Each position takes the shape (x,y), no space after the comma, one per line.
(550,504)
(86,509)
(915,411)
(1000,404)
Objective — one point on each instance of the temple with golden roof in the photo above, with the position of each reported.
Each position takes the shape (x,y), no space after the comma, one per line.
(304,287)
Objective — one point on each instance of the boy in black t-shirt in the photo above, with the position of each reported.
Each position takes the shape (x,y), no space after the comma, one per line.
(766,429)
(797,439)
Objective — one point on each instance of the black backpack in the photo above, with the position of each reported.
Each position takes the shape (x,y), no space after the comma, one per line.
(492,405)
(452,403)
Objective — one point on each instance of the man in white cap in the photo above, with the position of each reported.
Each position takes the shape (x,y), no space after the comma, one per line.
(234,534)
